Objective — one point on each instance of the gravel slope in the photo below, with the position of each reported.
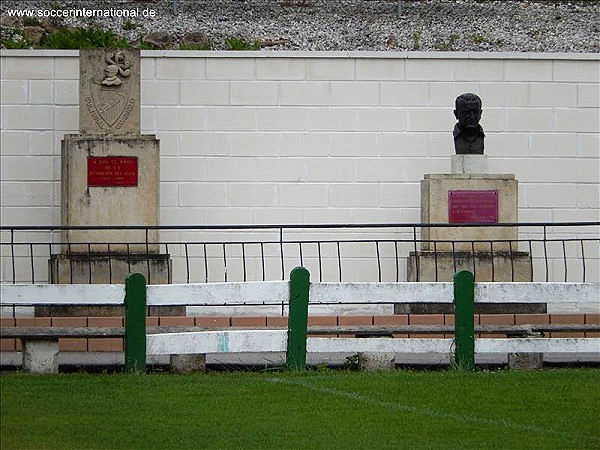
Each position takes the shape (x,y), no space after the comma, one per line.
(430,25)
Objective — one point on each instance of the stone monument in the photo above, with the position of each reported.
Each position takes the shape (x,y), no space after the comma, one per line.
(110,178)
(470,196)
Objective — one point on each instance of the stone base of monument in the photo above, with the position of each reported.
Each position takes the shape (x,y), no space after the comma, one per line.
(474,164)
(485,199)
(105,268)
(109,268)
(476,205)
(110,181)
(486,266)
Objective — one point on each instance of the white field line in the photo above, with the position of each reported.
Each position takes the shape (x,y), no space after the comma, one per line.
(427,412)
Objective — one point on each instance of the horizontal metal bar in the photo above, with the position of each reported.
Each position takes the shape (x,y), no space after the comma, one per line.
(291,226)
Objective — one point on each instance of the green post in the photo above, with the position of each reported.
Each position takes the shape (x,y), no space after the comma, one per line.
(298,318)
(135,323)
(464,326)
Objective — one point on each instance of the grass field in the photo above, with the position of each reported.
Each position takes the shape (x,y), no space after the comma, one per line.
(400,409)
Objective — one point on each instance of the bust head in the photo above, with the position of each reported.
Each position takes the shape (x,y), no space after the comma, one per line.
(468,111)
(468,134)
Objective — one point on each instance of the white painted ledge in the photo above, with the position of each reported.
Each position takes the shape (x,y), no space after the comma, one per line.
(277,293)
(210,294)
(380,293)
(378,345)
(270,54)
(61,294)
(537,293)
(235,341)
(445,346)
(538,345)
(409,292)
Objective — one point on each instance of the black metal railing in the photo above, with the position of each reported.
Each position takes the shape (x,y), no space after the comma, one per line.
(338,252)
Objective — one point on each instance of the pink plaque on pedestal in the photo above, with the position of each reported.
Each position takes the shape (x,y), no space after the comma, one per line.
(473,206)
(112,171)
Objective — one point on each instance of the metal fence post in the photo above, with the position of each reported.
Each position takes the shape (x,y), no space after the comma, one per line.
(135,323)
(464,328)
(298,318)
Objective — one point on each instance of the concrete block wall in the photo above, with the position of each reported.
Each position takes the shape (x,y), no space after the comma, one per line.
(294,137)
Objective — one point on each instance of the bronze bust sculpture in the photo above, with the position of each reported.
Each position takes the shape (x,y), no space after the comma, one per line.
(468,134)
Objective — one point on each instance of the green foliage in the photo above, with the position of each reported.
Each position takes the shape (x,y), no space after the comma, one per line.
(15,40)
(31,22)
(351,362)
(416,37)
(449,44)
(143,45)
(239,43)
(195,47)
(323,368)
(83,38)
(11,44)
(477,38)
(129,25)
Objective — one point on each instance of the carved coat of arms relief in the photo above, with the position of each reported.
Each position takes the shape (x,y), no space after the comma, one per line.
(110,101)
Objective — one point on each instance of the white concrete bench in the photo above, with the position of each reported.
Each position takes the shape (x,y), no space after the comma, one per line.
(44,341)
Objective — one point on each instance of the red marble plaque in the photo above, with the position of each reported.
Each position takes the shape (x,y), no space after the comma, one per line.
(473,206)
(111,171)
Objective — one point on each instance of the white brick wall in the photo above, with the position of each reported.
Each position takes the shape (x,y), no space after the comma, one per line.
(315,137)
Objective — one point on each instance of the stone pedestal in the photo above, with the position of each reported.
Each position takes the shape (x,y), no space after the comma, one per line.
(110,181)
(105,268)
(445,199)
(461,164)
(110,178)
(500,266)
(486,266)
(475,202)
